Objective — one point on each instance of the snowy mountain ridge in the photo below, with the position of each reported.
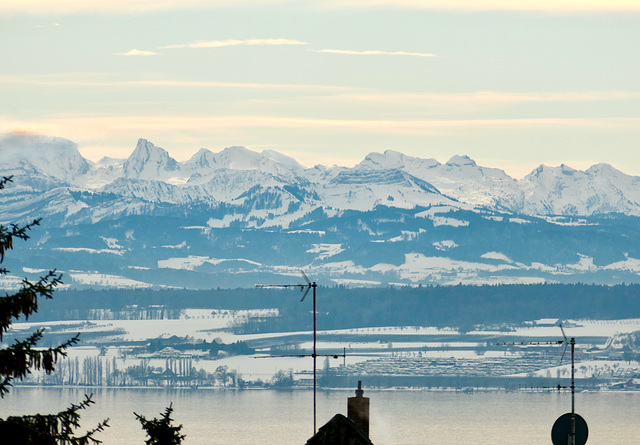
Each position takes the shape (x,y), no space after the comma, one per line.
(390,178)
(235,217)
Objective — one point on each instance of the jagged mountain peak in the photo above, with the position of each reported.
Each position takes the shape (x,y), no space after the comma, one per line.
(461,160)
(547,171)
(146,148)
(107,160)
(204,158)
(149,161)
(282,159)
(389,178)
(241,158)
(392,159)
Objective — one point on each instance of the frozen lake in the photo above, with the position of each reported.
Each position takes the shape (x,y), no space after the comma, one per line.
(397,417)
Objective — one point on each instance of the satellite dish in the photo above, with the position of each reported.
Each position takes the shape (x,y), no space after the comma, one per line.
(562,429)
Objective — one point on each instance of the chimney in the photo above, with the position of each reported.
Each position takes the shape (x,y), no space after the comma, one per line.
(358,409)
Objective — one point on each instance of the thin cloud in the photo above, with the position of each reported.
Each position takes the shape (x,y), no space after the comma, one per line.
(137,52)
(83,82)
(552,6)
(167,123)
(374,53)
(489,97)
(50,24)
(39,7)
(232,42)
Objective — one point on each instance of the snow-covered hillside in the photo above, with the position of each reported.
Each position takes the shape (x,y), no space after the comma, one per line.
(395,219)
(390,179)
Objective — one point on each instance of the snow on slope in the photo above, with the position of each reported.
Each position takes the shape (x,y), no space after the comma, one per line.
(149,162)
(459,178)
(363,190)
(235,175)
(55,157)
(565,191)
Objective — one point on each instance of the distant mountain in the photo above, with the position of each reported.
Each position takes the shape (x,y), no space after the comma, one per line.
(564,191)
(42,161)
(227,216)
(149,162)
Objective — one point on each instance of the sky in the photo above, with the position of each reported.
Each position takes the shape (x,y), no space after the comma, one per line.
(511,83)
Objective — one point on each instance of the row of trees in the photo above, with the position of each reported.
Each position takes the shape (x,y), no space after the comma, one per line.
(455,306)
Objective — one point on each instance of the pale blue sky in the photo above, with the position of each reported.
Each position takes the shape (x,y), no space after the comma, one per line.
(328,82)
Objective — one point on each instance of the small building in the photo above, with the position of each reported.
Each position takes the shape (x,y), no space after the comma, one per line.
(350,430)
(340,430)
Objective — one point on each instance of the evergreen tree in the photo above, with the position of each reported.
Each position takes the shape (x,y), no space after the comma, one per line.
(22,356)
(161,431)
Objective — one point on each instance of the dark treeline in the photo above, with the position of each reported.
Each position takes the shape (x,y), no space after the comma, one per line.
(340,307)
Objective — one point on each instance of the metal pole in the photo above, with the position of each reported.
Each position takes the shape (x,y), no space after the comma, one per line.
(572,436)
(302,287)
(315,330)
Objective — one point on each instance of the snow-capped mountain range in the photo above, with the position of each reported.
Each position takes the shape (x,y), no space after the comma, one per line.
(390,179)
(389,198)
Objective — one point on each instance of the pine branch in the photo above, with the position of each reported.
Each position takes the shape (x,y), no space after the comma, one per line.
(7,234)
(21,357)
(25,300)
(161,431)
(51,428)
(69,419)
(4,180)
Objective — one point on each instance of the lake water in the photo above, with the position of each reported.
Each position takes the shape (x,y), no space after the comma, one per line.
(397,417)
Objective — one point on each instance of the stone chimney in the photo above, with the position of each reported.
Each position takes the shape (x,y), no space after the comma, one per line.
(358,409)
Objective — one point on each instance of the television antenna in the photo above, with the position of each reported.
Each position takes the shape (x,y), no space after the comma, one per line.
(570,428)
(306,287)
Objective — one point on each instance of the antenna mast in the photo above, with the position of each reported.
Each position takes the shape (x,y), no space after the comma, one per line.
(572,342)
(308,286)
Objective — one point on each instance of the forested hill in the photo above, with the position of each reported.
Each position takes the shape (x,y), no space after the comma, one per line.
(340,307)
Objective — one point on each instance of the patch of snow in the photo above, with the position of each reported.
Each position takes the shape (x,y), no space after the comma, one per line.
(418,267)
(444,221)
(405,236)
(30,270)
(326,250)
(565,221)
(88,250)
(10,282)
(445,245)
(182,245)
(629,264)
(74,208)
(355,283)
(427,214)
(472,280)
(310,232)
(112,243)
(496,256)
(98,279)
(192,262)
(189,263)
(224,222)
(584,264)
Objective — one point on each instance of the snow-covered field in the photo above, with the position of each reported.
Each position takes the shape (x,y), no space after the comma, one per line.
(359,345)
